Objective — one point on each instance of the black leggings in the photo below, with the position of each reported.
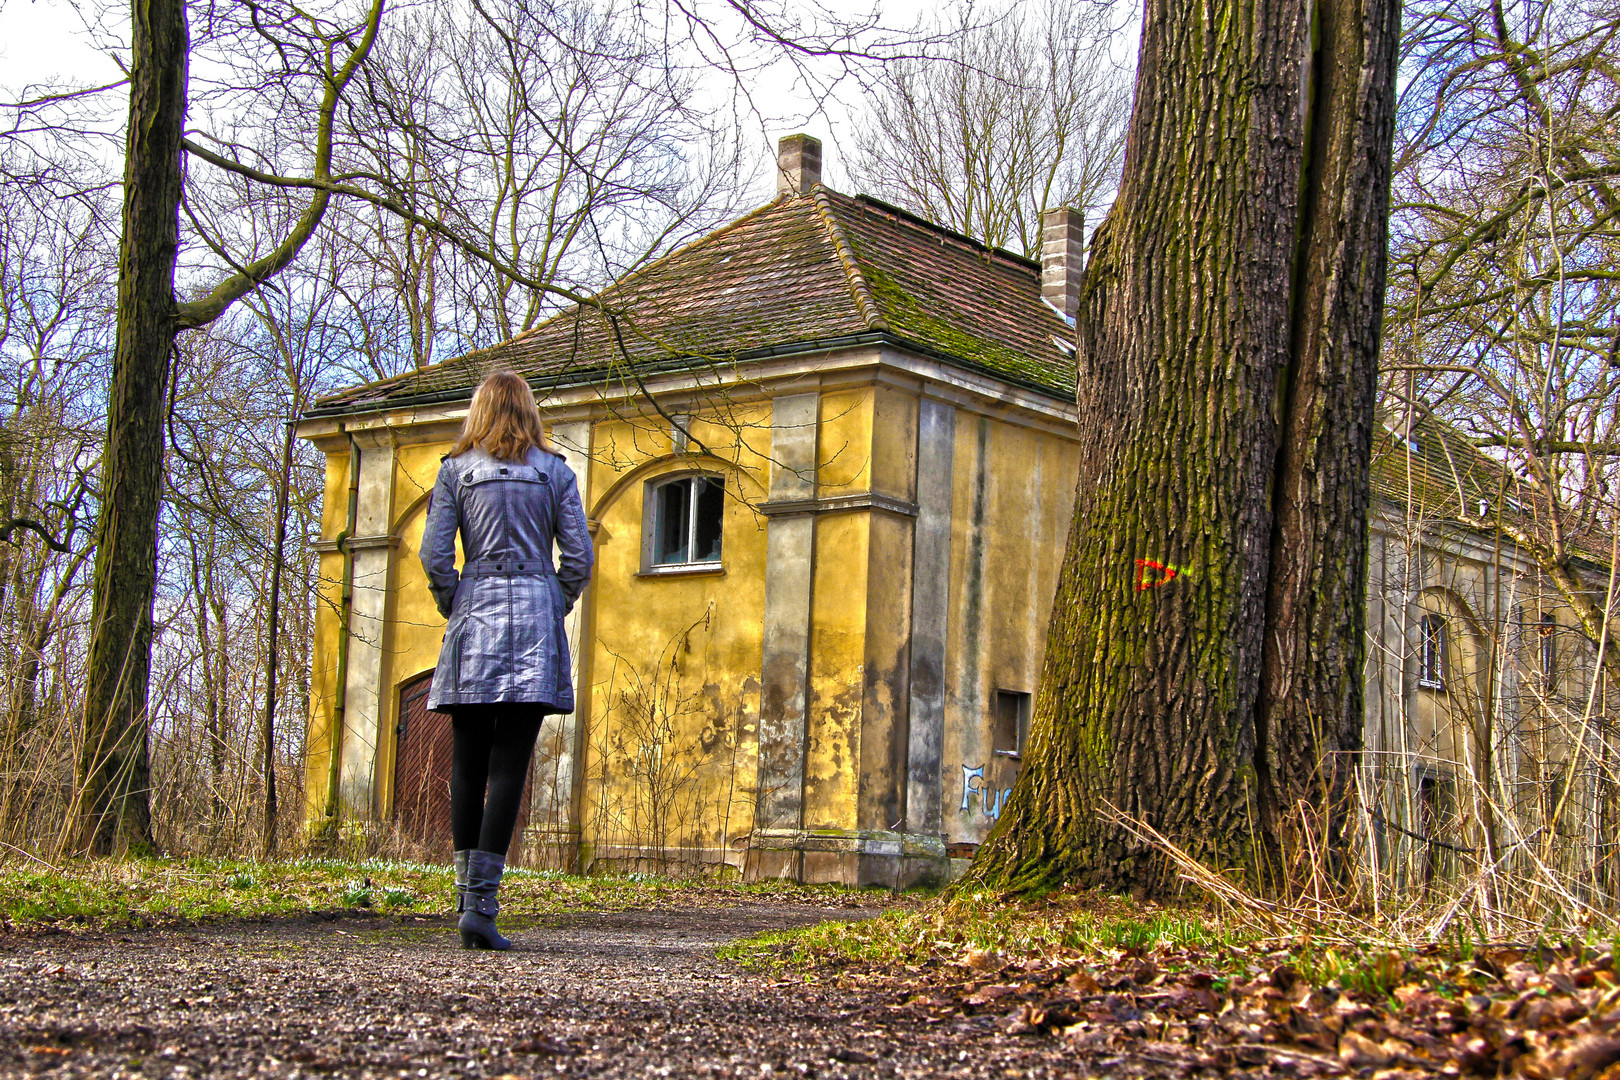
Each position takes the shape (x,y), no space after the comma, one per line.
(493,744)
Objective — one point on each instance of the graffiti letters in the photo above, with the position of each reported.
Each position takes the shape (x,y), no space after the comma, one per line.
(991,800)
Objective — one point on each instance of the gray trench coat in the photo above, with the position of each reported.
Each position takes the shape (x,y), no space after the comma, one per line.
(505,641)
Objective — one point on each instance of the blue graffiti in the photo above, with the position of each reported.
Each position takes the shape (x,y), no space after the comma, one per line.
(968,790)
(991,801)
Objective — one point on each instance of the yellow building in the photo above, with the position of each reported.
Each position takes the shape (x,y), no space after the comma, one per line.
(1488,730)
(827,454)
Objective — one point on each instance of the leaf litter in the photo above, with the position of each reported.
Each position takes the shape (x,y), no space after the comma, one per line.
(1282,1006)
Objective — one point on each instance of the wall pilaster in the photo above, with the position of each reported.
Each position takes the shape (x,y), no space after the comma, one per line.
(373,549)
(930,607)
(789,562)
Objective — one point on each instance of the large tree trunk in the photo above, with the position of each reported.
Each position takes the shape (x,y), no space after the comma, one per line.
(1206,640)
(113,766)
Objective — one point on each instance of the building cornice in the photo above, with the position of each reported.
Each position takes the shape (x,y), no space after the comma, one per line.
(865,500)
(852,360)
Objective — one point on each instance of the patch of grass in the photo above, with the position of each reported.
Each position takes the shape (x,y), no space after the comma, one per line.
(106,893)
(1092,940)
(357,894)
(947,929)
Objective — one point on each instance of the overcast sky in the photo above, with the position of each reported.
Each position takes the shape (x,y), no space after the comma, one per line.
(47,42)
(44,41)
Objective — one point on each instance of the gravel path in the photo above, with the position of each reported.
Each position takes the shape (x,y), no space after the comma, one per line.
(628,994)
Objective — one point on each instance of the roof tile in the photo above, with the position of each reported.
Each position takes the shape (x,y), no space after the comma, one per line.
(795,272)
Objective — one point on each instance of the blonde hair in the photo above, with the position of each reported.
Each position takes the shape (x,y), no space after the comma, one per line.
(503,420)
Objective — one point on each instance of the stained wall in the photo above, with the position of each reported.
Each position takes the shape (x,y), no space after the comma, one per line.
(666,761)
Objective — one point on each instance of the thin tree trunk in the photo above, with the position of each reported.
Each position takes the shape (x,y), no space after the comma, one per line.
(272,668)
(114,766)
(1228,340)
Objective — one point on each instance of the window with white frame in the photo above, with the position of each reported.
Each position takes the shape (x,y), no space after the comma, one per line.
(1432,652)
(685,517)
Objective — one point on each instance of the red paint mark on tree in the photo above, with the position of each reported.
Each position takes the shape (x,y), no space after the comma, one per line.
(1150,574)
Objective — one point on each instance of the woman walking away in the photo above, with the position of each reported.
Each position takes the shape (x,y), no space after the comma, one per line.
(504,665)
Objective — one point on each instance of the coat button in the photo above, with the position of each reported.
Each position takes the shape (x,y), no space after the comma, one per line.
(500,568)
(520,566)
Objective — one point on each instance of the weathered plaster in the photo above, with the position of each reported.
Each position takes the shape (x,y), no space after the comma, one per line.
(930,599)
(1012,496)
(368,622)
(669,712)
(554,810)
(790,546)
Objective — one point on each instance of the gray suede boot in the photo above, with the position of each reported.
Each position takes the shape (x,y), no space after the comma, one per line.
(478,920)
(461,879)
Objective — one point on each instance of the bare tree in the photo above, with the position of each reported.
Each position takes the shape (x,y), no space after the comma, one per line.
(1504,298)
(54,348)
(559,138)
(1026,113)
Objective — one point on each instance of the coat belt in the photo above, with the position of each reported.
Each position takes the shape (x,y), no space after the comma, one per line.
(506,568)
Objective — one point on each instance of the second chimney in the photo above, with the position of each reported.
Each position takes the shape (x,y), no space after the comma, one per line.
(1063,258)
(798,164)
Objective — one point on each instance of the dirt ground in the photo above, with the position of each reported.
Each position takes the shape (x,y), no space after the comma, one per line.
(615,995)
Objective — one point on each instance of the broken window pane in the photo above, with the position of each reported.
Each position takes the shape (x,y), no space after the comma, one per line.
(687,517)
(710,507)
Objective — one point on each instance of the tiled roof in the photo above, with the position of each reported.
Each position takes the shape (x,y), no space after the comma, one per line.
(801,273)
(1439,475)
(1438,472)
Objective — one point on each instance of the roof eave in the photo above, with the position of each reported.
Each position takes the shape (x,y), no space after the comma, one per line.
(587,376)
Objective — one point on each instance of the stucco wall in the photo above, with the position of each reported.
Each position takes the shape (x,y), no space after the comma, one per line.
(663,760)
(1013,497)
(672,679)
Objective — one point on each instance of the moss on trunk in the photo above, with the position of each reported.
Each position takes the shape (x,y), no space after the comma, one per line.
(1205,640)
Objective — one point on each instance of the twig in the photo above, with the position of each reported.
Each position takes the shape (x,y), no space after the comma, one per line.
(31,855)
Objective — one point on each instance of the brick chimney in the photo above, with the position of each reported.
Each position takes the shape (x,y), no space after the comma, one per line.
(798,164)
(1063,257)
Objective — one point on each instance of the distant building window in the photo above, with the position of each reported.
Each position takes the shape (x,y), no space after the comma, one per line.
(1549,652)
(1432,652)
(1012,723)
(1432,812)
(685,524)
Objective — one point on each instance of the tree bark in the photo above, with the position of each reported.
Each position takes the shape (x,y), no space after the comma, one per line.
(1205,644)
(1309,718)
(113,766)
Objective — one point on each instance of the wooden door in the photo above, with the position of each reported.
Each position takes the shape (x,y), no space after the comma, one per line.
(422,770)
(422,749)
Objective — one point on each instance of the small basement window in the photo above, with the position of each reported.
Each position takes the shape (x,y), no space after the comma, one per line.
(1432,652)
(1012,723)
(686,515)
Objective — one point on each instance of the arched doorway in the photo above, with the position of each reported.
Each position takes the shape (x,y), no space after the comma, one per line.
(422,775)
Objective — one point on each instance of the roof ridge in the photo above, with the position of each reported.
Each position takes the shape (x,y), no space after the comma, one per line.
(945,232)
(864,301)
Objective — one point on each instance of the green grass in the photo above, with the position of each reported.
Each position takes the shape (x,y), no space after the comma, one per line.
(110,893)
(1074,930)
(948,929)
